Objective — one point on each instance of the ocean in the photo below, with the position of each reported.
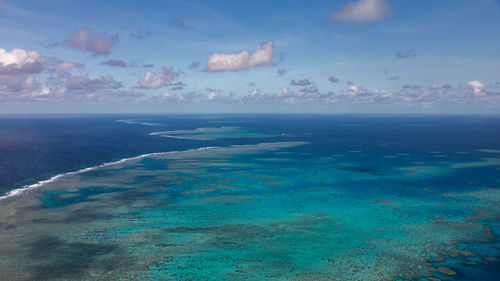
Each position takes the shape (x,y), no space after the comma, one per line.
(249,197)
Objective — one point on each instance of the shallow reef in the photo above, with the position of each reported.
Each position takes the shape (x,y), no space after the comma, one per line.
(270,211)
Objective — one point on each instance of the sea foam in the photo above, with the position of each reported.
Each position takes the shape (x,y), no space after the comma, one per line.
(21,190)
(29,187)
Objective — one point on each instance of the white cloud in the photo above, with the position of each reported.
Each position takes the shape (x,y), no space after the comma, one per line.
(358,94)
(263,55)
(211,96)
(26,75)
(172,97)
(153,80)
(254,93)
(408,96)
(352,89)
(362,12)
(19,61)
(22,88)
(20,69)
(243,60)
(191,97)
(307,95)
(477,87)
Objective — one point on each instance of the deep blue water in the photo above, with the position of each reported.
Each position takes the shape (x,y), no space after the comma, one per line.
(35,147)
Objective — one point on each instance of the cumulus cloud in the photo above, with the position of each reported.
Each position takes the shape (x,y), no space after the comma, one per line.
(28,76)
(152,80)
(415,96)
(193,97)
(19,70)
(243,60)
(114,63)
(21,84)
(19,67)
(83,82)
(410,53)
(303,82)
(358,94)
(28,83)
(25,88)
(362,12)
(98,44)
(254,93)
(476,87)
(306,95)
(19,61)
(333,79)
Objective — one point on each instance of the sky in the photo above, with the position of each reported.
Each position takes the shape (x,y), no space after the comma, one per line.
(335,56)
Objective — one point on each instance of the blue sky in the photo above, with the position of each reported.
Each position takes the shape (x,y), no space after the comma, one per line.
(250,56)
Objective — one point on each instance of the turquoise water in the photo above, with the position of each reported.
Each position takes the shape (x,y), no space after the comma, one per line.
(211,133)
(286,209)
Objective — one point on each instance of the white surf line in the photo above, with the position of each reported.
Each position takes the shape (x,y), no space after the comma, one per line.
(21,190)
(194,131)
(138,122)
